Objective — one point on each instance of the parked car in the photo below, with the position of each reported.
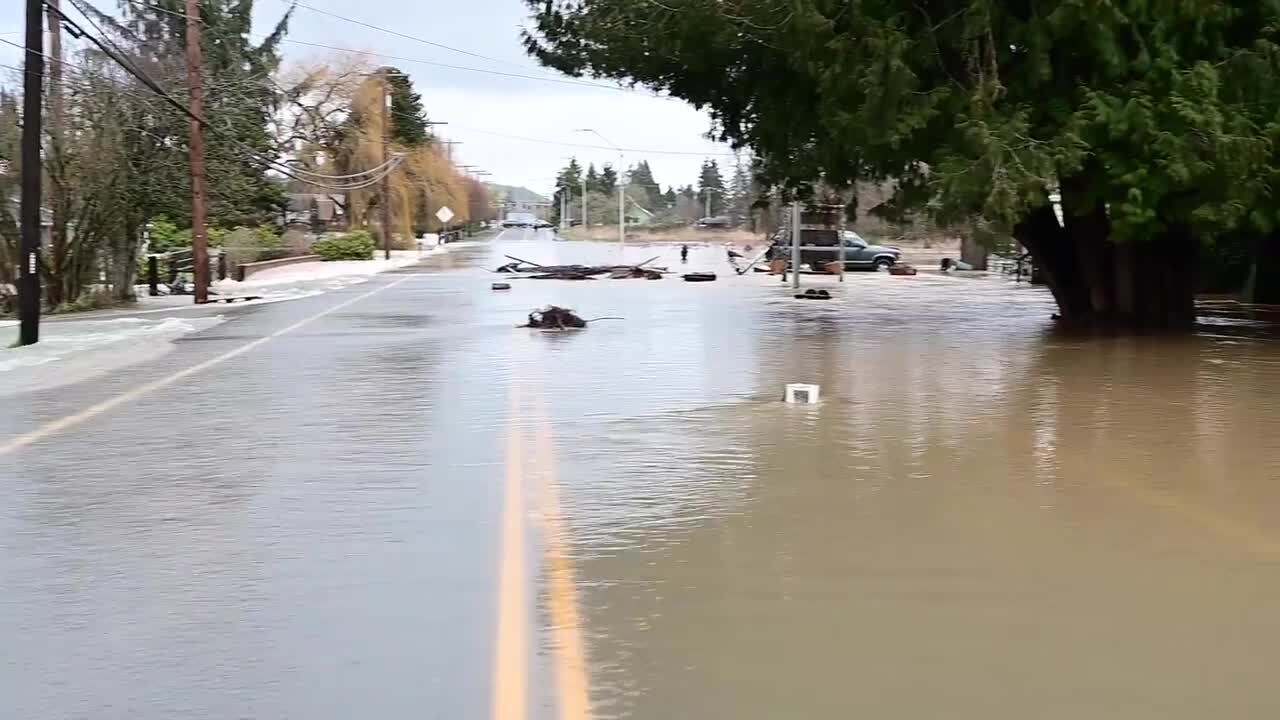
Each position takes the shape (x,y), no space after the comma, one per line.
(714,223)
(858,253)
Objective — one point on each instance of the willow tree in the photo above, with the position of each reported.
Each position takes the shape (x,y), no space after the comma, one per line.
(424,180)
(1154,121)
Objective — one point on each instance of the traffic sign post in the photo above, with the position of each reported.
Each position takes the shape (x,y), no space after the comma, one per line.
(444,215)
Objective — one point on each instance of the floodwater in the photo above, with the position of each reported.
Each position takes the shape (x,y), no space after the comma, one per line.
(981,519)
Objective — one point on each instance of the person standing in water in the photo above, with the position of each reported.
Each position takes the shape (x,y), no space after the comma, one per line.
(684,253)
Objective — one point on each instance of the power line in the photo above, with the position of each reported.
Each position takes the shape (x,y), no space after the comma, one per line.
(160,91)
(157,8)
(639,151)
(562,81)
(397,33)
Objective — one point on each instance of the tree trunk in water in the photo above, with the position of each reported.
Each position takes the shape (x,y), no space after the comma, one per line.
(973,252)
(1098,283)
(1266,271)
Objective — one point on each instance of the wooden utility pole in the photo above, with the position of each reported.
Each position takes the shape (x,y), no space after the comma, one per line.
(57,111)
(55,159)
(384,185)
(29,248)
(195,144)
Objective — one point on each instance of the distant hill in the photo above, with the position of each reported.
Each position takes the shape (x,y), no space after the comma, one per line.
(517,195)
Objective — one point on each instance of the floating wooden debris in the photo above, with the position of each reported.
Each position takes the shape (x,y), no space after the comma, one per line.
(501,286)
(902,269)
(699,277)
(553,317)
(535,271)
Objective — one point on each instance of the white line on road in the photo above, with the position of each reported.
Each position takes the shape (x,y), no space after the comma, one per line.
(95,410)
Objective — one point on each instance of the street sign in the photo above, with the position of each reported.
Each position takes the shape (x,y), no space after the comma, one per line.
(444,214)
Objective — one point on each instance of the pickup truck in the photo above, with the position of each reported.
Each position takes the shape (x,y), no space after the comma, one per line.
(858,253)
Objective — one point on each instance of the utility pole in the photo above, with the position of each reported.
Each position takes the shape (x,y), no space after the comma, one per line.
(384,185)
(199,234)
(56,106)
(795,245)
(584,202)
(622,200)
(708,192)
(840,234)
(32,100)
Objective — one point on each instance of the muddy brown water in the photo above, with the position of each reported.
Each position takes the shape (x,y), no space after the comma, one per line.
(982,519)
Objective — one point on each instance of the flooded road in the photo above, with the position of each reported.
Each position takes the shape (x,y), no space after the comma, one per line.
(405,507)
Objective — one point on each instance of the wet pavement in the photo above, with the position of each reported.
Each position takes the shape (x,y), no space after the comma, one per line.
(385,501)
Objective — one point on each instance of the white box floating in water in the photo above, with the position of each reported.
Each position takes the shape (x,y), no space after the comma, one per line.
(802,393)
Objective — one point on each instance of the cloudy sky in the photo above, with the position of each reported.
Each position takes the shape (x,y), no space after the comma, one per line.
(521,129)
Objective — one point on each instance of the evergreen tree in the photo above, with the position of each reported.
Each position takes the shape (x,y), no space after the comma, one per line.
(408,118)
(742,193)
(239,96)
(568,187)
(593,179)
(669,198)
(686,206)
(641,176)
(608,179)
(1151,125)
(711,192)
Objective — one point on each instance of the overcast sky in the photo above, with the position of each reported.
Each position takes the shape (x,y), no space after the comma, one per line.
(521,130)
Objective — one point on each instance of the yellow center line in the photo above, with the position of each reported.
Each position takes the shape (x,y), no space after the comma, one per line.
(69,421)
(510,669)
(570,660)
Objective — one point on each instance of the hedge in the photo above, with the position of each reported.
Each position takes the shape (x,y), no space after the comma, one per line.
(355,245)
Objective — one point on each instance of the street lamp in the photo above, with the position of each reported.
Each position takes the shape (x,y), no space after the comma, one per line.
(622,212)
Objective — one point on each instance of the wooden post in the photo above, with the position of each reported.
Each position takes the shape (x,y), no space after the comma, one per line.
(384,185)
(195,145)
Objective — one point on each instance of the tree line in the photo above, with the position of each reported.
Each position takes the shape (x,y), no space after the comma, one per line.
(710,196)
(115,153)
(1149,128)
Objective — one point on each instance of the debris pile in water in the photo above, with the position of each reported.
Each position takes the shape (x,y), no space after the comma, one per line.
(535,271)
(553,317)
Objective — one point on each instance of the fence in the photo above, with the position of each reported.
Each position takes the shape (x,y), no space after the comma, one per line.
(171,273)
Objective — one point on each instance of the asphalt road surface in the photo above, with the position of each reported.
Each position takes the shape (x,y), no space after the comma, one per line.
(387,502)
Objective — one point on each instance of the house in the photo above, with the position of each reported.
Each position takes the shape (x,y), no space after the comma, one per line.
(637,214)
(46,219)
(319,211)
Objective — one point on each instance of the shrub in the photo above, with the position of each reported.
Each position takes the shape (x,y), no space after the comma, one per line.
(355,245)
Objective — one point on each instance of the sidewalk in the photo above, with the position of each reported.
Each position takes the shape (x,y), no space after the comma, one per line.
(325,275)
(79,346)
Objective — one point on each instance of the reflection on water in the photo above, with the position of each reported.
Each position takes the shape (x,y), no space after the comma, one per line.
(983,519)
